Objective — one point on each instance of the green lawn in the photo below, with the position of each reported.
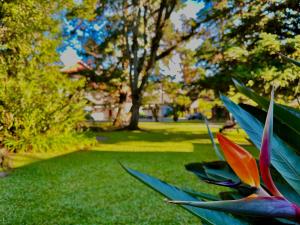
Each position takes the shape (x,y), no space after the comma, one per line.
(90,187)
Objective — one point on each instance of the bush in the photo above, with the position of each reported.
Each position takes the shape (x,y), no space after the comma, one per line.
(37,102)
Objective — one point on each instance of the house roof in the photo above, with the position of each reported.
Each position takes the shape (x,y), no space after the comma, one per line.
(79,66)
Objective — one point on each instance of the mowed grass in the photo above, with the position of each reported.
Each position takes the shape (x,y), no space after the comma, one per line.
(163,137)
(90,187)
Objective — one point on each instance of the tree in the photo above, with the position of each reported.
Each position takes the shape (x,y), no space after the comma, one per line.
(37,102)
(178,99)
(151,98)
(141,34)
(243,41)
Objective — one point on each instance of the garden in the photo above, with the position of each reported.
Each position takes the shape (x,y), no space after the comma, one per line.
(149,112)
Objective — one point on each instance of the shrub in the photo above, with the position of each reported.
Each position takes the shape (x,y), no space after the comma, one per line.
(37,102)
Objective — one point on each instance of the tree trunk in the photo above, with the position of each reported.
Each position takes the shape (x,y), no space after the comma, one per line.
(135,108)
(175,113)
(118,120)
(155,111)
(175,117)
(134,119)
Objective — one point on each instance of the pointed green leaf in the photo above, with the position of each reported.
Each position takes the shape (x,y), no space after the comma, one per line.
(282,130)
(292,110)
(217,150)
(171,192)
(282,113)
(231,195)
(284,158)
(255,207)
(288,192)
(220,170)
(201,195)
(219,173)
(217,170)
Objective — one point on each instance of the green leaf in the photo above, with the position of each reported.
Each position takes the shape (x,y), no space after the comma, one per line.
(283,158)
(292,110)
(171,192)
(217,150)
(266,207)
(282,113)
(282,130)
(219,172)
(288,192)
(230,195)
(201,195)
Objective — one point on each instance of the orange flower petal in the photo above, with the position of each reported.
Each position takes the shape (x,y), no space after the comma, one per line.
(240,160)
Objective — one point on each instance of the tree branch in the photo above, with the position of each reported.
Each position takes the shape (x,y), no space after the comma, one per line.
(135,48)
(145,38)
(95,55)
(127,48)
(181,39)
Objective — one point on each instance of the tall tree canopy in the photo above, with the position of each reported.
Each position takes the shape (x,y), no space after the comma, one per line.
(141,33)
(243,40)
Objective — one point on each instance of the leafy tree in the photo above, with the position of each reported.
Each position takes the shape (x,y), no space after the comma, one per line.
(37,102)
(178,99)
(243,40)
(104,76)
(140,35)
(153,97)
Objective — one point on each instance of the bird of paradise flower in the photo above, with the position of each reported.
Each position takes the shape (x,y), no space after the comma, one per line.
(262,203)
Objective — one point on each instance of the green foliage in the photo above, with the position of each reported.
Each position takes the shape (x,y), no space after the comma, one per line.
(236,54)
(217,150)
(286,115)
(283,131)
(37,102)
(178,99)
(243,42)
(152,94)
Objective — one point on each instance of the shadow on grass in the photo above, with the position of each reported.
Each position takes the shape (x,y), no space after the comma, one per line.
(162,135)
(116,157)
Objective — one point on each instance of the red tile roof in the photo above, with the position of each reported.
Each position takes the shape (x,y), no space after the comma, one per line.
(79,66)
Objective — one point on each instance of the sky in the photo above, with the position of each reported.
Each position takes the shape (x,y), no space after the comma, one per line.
(69,56)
